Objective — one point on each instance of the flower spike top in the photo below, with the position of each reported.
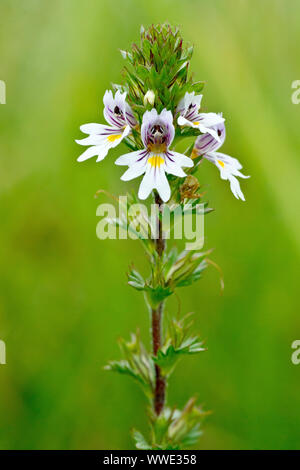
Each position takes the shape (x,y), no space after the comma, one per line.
(188,108)
(102,137)
(155,160)
(206,145)
(175,100)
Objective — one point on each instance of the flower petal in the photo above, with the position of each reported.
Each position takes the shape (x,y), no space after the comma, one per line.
(135,170)
(210,119)
(131,158)
(155,178)
(181,121)
(229,169)
(174,161)
(164,119)
(92,152)
(93,128)
(162,184)
(115,108)
(207,143)
(181,159)
(189,105)
(236,188)
(101,144)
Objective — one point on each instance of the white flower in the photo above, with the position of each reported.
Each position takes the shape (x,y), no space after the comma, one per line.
(155,160)
(206,145)
(149,98)
(189,107)
(104,137)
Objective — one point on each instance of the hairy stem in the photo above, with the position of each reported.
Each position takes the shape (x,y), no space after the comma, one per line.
(160,381)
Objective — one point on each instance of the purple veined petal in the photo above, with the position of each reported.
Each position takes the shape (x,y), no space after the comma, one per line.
(101,144)
(157,129)
(114,108)
(189,106)
(129,116)
(179,159)
(205,143)
(132,157)
(149,118)
(92,140)
(111,117)
(173,168)
(102,134)
(192,113)
(113,139)
(182,121)
(208,143)
(93,128)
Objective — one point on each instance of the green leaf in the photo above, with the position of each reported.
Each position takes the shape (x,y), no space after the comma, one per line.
(137,363)
(167,359)
(135,279)
(140,441)
(192,437)
(157,294)
(185,427)
(123,367)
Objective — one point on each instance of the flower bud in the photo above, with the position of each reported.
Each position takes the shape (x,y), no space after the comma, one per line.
(149,98)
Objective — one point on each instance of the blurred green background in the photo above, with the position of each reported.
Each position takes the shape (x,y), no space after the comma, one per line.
(64,299)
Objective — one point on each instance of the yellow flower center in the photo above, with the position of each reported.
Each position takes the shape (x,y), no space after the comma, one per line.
(113,137)
(156,161)
(221,163)
(194,153)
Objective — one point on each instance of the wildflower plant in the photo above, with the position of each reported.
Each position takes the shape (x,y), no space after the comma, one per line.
(158,106)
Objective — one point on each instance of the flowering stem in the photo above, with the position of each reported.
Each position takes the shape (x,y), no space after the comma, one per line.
(157,313)
(160,381)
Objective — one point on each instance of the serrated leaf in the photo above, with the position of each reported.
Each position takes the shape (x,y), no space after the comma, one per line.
(140,441)
(136,280)
(167,359)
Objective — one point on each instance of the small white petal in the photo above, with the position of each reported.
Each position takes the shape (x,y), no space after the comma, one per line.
(135,170)
(93,128)
(173,169)
(182,160)
(211,119)
(162,184)
(91,140)
(228,171)
(184,122)
(235,188)
(147,184)
(155,178)
(130,158)
(92,152)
